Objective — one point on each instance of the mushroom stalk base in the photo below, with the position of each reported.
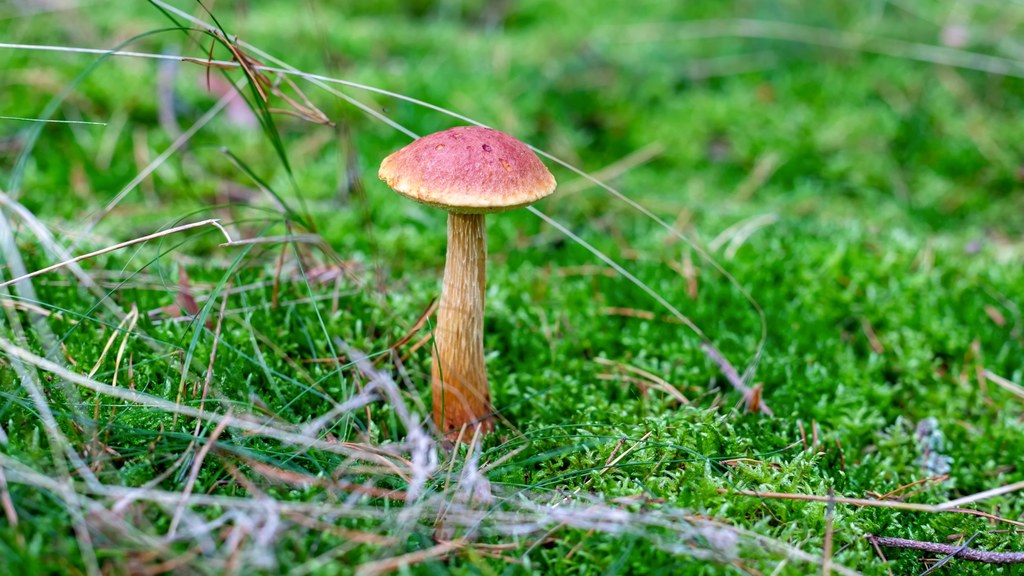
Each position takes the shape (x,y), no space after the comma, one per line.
(461,396)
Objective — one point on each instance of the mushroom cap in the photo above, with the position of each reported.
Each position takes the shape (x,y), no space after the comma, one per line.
(469,170)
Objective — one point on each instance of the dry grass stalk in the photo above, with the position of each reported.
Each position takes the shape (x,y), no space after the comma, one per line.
(952,506)
(147,238)
(647,380)
(393,564)
(1011,387)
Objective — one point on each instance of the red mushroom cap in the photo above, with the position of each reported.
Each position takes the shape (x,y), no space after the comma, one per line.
(468,169)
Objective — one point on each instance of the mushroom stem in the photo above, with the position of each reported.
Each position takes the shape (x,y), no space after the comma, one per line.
(460,392)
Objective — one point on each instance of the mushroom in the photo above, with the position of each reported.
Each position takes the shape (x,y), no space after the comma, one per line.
(469,171)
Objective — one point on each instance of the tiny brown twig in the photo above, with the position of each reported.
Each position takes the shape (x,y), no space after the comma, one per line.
(878,550)
(960,552)
(416,327)
(922,482)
